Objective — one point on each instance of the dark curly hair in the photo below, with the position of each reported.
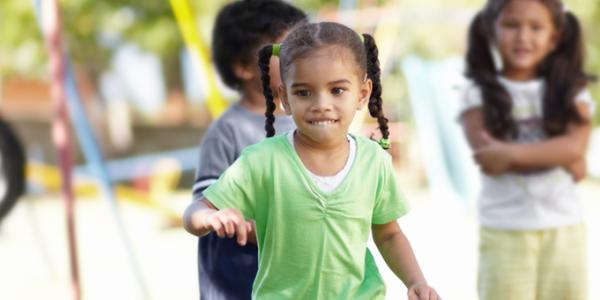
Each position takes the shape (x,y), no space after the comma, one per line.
(243,26)
(562,72)
(310,37)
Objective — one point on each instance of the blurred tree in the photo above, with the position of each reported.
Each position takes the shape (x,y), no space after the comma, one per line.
(315,5)
(92,29)
(593,47)
(21,48)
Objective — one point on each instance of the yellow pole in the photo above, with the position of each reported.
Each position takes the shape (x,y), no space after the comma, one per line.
(187,25)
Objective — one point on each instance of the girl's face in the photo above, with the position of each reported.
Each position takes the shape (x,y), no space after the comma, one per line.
(525,35)
(322,92)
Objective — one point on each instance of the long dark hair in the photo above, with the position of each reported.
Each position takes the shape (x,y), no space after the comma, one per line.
(307,38)
(562,72)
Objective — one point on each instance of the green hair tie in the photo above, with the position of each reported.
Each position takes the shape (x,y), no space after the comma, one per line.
(276,48)
(385,144)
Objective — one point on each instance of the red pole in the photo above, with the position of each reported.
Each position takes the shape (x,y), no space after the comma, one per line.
(60,131)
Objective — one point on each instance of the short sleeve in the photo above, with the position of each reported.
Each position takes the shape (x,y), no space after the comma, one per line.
(586,97)
(469,96)
(391,203)
(234,189)
(216,153)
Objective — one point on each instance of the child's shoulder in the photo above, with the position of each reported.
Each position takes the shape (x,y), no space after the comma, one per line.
(268,146)
(469,95)
(236,113)
(236,117)
(370,148)
(365,142)
(468,89)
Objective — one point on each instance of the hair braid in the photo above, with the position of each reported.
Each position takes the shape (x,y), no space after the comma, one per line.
(264,59)
(374,73)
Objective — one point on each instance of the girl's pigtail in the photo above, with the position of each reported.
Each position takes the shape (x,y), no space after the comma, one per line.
(497,105)
(375,101)
(264,59)
(480,61)
(563,71)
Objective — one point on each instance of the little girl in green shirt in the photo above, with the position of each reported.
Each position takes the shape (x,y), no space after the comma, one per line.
(316,193)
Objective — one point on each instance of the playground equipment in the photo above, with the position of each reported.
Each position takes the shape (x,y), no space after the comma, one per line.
(187,25)
(434,94)
(161,171)
(12,169)
(68,105)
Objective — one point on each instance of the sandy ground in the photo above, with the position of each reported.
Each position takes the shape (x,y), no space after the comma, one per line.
(34,258)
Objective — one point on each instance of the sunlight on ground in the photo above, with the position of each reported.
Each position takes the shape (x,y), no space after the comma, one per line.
(34,258)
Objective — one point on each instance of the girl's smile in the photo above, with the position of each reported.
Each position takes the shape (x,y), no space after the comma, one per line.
(323,122)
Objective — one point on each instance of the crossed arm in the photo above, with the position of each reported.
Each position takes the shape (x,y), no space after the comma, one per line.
(497,157)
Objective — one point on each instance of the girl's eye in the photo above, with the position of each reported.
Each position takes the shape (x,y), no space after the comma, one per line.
(337,91)
(536,27)
(510,24)
(302,93)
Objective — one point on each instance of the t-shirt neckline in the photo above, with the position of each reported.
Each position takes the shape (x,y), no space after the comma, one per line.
(306,173)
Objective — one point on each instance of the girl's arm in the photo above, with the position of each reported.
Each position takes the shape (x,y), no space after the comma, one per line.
(578,170)
(496,157)
(201,217)
(562,150)
(398,254)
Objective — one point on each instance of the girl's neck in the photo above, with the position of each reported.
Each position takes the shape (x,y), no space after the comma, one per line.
(519,75)
(322,159)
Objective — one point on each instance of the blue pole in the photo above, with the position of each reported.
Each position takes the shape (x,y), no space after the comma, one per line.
(94,157)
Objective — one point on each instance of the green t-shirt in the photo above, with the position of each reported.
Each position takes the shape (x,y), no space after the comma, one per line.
(312,244)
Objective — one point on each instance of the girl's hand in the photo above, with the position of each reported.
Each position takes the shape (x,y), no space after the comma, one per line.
(230,222)
(421,291)
(578,170)
(494,156)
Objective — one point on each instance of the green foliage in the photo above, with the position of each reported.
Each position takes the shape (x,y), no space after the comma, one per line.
(21,47)
(429,28)
(313,5)
(593,51)
(91,29)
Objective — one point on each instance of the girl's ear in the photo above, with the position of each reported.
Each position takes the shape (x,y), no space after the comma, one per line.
(284,100)
(364,93)
(244,72)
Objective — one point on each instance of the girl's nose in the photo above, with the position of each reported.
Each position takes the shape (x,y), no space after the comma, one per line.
(523,34)
(322,102)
